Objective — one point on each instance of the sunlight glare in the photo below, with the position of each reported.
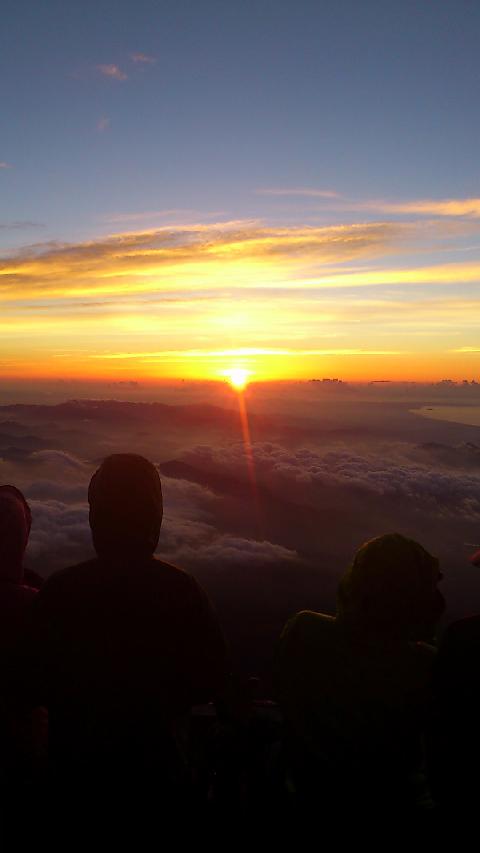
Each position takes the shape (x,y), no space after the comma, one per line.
(238,377)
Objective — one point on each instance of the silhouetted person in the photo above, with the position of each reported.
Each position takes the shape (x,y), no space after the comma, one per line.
(355,688)
(15,602)
(15,595)
(123,646)
(454,748)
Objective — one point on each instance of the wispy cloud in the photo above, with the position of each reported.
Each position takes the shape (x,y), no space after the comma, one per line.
(143,58)
(112,71)
(446,207)
(236,254)
(298,191)
(148,215)
(469,207)
(4,165)
(18,225)
(208,294)
(248,253)
(103,124)
(241,353)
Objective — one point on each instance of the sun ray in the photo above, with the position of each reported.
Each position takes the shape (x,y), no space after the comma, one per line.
(247,444)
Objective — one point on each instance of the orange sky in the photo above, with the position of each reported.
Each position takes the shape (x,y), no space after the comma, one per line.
(366,300)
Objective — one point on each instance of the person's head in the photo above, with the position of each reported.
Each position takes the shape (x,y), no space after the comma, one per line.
(126,508)
(15,523)
(391,587)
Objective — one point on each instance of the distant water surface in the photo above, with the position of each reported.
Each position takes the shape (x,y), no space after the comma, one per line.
(458,414)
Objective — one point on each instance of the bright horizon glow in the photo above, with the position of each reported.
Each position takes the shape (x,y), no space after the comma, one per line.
(238,377)
(292,302)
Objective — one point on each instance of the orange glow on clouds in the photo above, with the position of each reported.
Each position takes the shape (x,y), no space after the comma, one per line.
(241,300)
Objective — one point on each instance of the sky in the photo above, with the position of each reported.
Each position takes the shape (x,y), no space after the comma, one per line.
(291,189)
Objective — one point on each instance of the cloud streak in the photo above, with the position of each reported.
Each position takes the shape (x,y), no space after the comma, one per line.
(447,207)
(172,213)
(223,257)
(143,58)
(467,207)
(189,295)
(242,352)
(200,250)
(19,225)
(112,71)
(299,191)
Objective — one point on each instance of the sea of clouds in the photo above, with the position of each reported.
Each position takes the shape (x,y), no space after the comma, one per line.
(293,507)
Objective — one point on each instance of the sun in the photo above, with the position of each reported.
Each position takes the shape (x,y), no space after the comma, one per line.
(238,377)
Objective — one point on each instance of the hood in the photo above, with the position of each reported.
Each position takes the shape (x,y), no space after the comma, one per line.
(126,507)
(391,587)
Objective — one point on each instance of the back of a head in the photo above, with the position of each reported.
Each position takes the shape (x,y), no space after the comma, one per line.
(15,523)
(126,508)
(391,587)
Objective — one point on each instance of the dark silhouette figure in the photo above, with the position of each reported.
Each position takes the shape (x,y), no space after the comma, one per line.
(454,746)
(15,601)
(121,647)
(15,595)
(355,688)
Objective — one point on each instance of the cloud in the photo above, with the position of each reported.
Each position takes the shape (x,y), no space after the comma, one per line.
(187,501)
(251,254)
(300,474)
(172,212)
(190,537)
(20,225)
(224,552)
(112,71)
(135,261)
(103,124)
(242,352)
(46,490)
(446,207)
(468,207)
(299,191)
(319,500)
(465,456)
(60,535)
(60,458)
(143,58)
(238,288)
(4,165)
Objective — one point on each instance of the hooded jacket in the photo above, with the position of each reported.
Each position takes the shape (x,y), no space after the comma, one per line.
(123,645)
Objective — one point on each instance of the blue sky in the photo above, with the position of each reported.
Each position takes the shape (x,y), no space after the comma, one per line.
(366,98)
